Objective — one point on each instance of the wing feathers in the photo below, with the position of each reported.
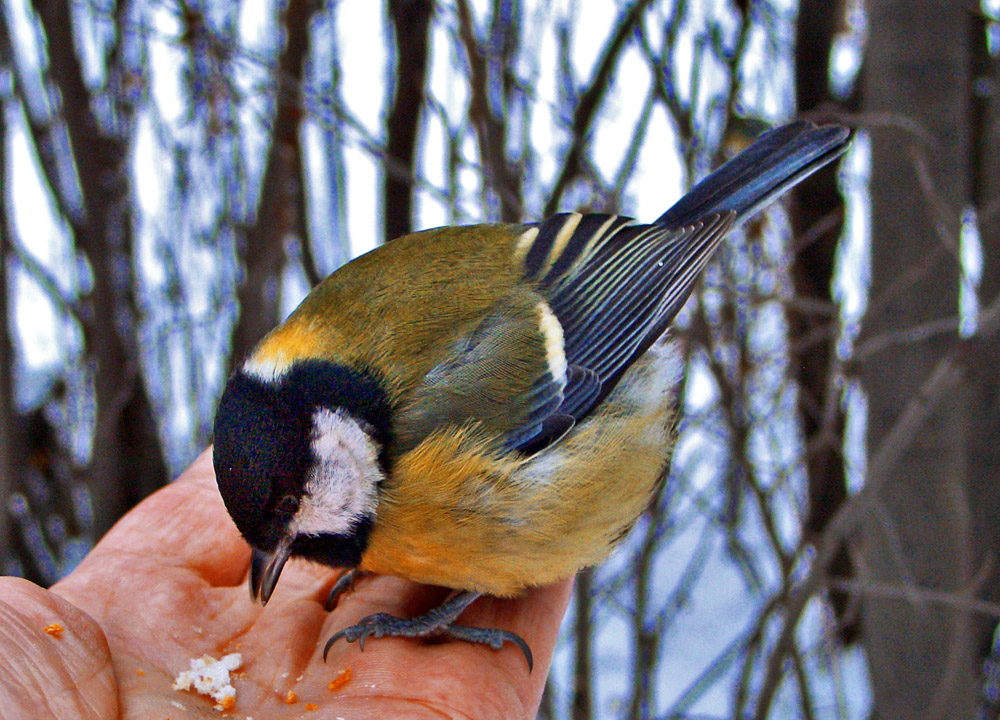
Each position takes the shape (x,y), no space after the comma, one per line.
(600,291)
(614,286)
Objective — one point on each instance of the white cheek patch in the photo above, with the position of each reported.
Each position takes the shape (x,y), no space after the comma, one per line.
(342,486)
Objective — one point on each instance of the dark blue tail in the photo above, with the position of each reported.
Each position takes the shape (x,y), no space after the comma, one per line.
(776,161)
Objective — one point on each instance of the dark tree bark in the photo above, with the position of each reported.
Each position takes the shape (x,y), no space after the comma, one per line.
(125,437)
(817,220)
(984,360)
(7,464)
(920,655)
(500,175)
(588,108)
(280,208)
(411,25)
(582,701)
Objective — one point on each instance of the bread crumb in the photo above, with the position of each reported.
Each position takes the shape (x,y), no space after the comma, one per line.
(140,672)
(209,676)
(342,679)
(291,698)
(312,706)
(54,629)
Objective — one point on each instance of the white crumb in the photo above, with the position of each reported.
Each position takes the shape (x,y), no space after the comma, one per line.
(179,706)
(209,676)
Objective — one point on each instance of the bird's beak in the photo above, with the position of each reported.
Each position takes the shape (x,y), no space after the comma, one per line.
(265,569)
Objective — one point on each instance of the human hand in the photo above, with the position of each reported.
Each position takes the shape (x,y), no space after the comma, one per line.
(168,583)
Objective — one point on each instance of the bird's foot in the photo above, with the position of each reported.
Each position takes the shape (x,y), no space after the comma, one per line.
(344,584)
(491,637)
(439,621)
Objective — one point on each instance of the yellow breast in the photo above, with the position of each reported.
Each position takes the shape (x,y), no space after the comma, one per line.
(457,513)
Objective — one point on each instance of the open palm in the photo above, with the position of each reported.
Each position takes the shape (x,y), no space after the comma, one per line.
(167,584)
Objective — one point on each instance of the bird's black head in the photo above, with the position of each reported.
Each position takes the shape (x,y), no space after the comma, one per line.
(298,458)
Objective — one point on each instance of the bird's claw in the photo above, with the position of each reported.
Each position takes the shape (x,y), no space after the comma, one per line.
(344,584)
(491,637)
(375,626)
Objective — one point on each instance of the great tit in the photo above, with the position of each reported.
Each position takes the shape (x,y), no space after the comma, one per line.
(485,408)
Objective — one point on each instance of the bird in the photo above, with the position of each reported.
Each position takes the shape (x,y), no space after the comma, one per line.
(486,408)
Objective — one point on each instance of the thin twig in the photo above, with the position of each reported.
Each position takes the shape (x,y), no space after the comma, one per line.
(586,111)
(938,386)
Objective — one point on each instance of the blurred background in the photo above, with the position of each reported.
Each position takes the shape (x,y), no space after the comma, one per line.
(176,174)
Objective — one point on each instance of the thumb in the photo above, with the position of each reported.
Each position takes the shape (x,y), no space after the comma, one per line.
(56,658)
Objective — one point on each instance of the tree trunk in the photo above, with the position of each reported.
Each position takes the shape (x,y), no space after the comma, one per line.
(817,222)
(7,465)
(280,210)
(411,20)
(125,437)
(918,536)
(983,454)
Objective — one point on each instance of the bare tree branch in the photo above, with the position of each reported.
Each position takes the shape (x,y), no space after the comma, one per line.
(411,23)
(489,122)
(582,702)
(126,460)
(587,108)
(7,462)
(280,208)
(946,376)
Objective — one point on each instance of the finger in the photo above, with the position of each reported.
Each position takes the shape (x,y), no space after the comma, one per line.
(54,674)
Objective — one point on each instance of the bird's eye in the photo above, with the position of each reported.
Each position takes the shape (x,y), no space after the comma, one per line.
(287,506)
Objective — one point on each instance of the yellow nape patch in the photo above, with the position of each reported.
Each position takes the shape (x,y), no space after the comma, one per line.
(283,346)
(267,367)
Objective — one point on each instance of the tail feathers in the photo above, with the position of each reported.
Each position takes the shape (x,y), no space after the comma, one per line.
(775,162)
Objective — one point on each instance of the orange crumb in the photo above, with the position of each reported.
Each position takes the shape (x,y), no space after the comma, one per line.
(342,679)
(312,706)
(140,672)
(54,629)
(291,698)
(228,702)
